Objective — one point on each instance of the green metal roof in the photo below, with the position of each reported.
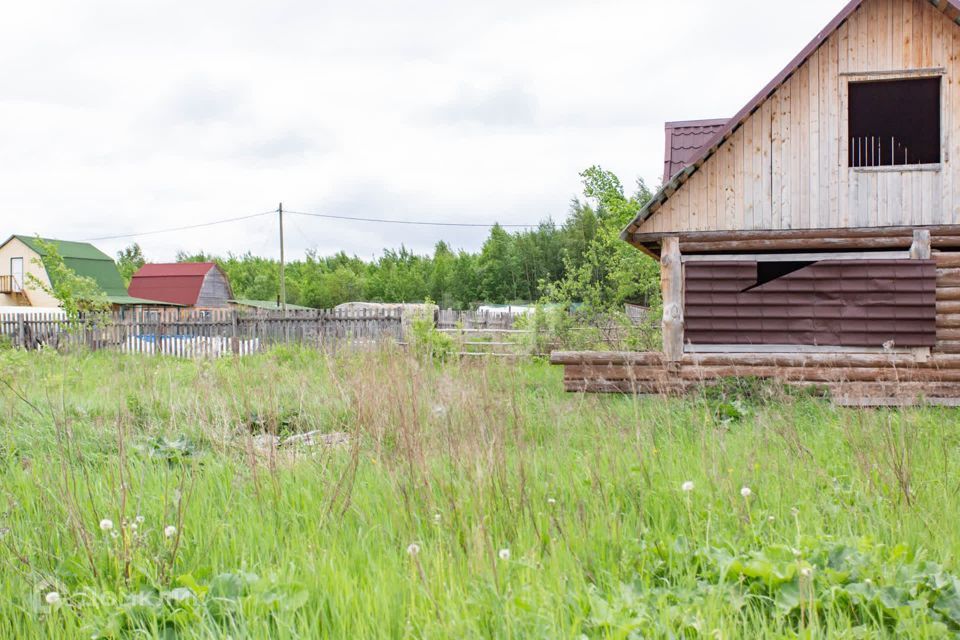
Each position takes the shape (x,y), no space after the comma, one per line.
(130,300)
(86,260)
(269,305)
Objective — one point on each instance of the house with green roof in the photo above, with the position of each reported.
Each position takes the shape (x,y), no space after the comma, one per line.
(22,256)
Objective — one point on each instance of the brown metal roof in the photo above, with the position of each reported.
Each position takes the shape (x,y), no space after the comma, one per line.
(684,140)
(949,7)
(853,303)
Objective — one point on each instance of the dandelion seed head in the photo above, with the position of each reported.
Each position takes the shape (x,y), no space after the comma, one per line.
(504,554)
(796,552)
(413,548)
(551,501)
(806,572)
(746,492)
(52,597)
(687,486)
(437,517)
(169,531)
(106,524)
(139,519)
(770,518)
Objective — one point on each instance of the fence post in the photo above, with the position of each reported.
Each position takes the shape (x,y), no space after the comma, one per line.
(234,339)
(21,332)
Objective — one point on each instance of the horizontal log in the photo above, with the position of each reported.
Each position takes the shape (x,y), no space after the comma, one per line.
(948,277)
(782,244)
(946,347)
(948,321)
(818,360)
(947,259)
(948,294)
(901,389)
(948,334)
(776,234)
(823,374)
(606,357)
(616,372)
(947,307)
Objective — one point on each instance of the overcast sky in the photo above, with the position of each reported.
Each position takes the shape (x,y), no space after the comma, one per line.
(121,117)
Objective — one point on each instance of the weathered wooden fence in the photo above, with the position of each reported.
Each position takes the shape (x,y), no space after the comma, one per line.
(452,319)
(202,333)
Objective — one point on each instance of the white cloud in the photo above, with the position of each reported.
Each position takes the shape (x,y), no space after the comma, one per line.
(122,116)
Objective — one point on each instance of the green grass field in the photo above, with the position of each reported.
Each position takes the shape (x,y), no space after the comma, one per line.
(471,500)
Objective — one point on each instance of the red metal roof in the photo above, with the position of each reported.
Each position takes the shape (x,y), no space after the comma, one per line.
(684,140)
(176,282)
(951,8)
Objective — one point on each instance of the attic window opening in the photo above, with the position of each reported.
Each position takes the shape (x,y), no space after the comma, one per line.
(894,122)
(770,271)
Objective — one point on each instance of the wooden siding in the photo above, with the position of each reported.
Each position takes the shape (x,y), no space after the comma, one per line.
(786,166)
(215,291)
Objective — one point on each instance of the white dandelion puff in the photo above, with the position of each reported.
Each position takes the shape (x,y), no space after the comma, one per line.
(551,501)
(413,548)
(437,518)
(52,598)
(106,524)
(169,531)
(504,554)
(687,486)
(139,519)
(806,572)
(746,492)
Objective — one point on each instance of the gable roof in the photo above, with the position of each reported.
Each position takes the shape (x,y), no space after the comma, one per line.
(175,282)
(86,260)
(684,140)
(951,8)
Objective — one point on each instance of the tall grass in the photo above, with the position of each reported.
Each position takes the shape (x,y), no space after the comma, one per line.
(471,500)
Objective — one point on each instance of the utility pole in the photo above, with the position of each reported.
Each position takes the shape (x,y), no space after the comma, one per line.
(283,277)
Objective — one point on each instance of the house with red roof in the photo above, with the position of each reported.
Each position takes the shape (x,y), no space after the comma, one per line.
(195,285)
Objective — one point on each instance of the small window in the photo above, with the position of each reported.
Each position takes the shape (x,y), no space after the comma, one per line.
(894,122)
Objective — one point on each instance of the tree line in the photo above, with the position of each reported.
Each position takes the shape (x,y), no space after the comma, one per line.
(581,260)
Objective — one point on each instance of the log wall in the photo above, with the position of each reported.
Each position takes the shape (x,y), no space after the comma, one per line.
(851,378)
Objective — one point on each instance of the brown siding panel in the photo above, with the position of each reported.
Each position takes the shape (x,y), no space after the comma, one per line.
(857,303)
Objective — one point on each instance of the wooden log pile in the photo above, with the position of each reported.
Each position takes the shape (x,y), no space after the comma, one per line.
(851,378)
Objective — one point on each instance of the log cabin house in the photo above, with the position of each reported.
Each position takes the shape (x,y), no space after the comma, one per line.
(814,237)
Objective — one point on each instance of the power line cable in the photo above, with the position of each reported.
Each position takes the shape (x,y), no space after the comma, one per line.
(184,228)
(428,223)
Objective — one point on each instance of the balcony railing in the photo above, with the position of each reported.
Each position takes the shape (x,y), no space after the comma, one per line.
(10,284)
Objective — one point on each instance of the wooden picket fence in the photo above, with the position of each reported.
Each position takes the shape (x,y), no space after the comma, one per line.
(203,333)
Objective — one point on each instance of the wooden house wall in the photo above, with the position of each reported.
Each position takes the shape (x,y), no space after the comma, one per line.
(787,166)
(215,290)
